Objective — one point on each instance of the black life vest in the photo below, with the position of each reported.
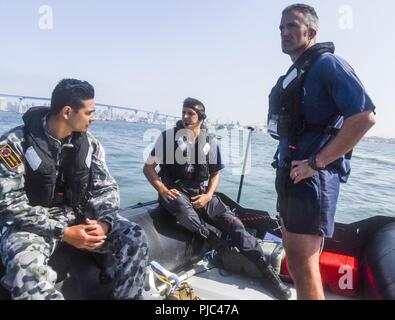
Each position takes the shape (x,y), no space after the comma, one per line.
(172,170)
(285,118)
(69,175)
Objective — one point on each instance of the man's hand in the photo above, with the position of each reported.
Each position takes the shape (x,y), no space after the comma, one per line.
(101,230)
(169,195)
(301,171)
(78,237)
(200,201)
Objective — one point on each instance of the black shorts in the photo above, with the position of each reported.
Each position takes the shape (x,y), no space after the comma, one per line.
(308,207)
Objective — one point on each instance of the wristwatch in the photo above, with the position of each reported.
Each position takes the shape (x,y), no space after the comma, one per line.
(313,164)
(58,232)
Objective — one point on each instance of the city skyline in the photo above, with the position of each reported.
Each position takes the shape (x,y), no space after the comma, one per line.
(106,112)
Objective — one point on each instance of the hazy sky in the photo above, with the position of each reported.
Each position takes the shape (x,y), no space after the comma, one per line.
(153,54)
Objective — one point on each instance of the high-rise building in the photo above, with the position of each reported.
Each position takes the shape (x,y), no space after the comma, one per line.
(3,104)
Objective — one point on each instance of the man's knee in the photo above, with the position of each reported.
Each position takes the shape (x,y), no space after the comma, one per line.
(182,209)
(190,221)
(187,217)
(302,253)
(303,265)
(23,247)
(129,232)
(25,271)
(176,205)
(138,239)
(230,223)
(130,252)
(27,259)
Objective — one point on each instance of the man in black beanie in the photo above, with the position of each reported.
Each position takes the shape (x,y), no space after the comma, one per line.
(189,156)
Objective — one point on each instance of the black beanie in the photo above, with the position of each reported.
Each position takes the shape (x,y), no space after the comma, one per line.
(197,106)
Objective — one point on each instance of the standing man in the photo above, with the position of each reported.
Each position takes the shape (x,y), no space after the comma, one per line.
(55,186)
(188,157)
(319,111)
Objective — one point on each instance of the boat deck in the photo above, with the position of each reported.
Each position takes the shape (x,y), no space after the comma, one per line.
(212,283)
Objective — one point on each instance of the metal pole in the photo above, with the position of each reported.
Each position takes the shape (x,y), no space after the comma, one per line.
(245,163)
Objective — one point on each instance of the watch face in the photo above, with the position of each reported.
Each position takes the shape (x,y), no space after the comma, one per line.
(58,231)
(311,163)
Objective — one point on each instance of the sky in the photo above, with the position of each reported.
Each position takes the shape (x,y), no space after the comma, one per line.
(152,54)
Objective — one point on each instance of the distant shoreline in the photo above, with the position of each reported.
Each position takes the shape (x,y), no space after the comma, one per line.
(366,139)
(379,140)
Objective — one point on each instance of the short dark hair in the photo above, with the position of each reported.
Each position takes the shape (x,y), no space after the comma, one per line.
(71,92)
(311,17)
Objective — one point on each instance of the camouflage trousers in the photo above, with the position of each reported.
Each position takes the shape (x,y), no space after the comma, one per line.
(28,275)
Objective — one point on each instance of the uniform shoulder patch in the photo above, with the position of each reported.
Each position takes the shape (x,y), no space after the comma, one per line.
(9,157)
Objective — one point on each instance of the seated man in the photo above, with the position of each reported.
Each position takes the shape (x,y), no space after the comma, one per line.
(55,186)
(188,157)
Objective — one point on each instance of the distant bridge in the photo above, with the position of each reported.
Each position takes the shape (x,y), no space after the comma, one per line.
(109,107)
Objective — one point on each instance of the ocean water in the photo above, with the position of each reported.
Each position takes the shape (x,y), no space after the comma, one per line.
(369,192)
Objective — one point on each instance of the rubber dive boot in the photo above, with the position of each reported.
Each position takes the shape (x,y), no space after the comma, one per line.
(272,281)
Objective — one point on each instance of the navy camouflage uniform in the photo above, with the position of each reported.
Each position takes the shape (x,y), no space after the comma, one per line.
(29,235)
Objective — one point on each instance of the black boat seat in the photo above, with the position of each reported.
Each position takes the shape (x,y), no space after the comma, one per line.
(379,264)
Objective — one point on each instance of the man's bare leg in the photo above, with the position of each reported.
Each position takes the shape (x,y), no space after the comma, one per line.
(303,252)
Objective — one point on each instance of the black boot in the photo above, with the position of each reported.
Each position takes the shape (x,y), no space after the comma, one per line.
(220,245)
(272,281)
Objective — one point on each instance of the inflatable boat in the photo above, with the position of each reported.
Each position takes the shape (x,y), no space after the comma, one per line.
(357,263)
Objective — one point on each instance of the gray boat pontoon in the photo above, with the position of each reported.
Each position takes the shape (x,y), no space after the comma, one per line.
(371,242)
